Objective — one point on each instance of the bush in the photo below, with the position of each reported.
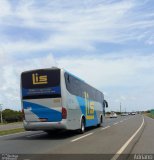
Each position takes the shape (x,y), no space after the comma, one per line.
(12,116)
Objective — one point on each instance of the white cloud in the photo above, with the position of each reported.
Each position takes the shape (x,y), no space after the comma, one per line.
(125,79)
(10,78)
(80,25)
(110,71)
(5,8)
(76,24)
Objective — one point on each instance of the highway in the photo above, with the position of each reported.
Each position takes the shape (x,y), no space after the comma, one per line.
(122,135)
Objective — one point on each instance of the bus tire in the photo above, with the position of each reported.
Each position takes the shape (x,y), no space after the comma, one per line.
(101,121)
(82,129)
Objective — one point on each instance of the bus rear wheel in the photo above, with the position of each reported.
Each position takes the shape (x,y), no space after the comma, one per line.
(101,122)
(82,129)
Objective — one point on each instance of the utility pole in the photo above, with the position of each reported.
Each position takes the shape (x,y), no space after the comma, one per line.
(1,109)
(120,107)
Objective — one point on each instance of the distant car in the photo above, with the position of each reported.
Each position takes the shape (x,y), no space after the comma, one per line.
(124,114)
(113,115)
(133,113)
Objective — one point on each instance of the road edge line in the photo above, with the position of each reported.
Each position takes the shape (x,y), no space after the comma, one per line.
(127,142)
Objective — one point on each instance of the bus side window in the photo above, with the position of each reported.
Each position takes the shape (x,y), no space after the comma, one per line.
(68,78)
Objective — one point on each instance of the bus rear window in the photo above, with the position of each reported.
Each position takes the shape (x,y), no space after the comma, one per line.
(41,84)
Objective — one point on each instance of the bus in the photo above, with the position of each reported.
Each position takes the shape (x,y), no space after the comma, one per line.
(56,99)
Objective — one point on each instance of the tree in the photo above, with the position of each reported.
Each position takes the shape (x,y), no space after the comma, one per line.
(12,116)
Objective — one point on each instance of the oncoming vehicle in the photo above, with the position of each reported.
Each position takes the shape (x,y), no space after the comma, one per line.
(55,99)
(113,115)
(124,114)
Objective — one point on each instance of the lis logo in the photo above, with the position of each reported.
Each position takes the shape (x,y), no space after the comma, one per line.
(89,107)
(37,79)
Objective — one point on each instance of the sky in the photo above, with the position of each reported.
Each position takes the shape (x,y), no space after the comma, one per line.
(109,44)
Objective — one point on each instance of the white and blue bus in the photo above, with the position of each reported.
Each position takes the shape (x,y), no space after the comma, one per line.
(55,99)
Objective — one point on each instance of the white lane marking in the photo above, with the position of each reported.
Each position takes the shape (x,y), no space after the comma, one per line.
(115,123)
(105,127)
(127,143)
(14,134)
(81,137)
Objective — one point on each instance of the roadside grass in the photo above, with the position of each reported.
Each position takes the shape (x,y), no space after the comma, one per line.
(11,131)
(150,115)
(4,123)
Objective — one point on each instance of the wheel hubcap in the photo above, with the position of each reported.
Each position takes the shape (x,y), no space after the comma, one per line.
(82,127)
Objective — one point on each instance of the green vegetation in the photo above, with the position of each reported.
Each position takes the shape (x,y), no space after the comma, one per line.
(150,115)
(152,111)
(10,116)
(5,132)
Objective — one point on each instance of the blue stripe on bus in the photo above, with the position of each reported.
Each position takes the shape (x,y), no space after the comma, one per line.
(89,122)
(43,112)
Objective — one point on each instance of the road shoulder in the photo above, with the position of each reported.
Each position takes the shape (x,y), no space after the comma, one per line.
(145,144)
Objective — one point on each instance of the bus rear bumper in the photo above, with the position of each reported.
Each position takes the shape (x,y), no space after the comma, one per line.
(34,126)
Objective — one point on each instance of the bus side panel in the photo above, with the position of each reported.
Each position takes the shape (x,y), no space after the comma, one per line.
(71,104)
(77,106)
(91,110)
(74,112)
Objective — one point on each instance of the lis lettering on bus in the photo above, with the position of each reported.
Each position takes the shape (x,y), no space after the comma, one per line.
(89,107)
(37,79)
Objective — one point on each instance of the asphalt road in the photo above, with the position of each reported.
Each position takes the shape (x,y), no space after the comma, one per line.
(122,135)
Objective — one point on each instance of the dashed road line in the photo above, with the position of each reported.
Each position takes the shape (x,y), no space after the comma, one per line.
(82,137)
(115,123)
(105,127)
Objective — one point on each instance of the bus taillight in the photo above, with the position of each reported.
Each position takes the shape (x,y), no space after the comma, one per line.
(64,113)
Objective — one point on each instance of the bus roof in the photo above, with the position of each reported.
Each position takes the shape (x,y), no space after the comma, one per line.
(55,68)
(52,68)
